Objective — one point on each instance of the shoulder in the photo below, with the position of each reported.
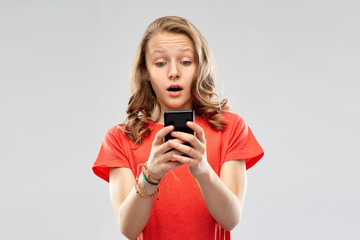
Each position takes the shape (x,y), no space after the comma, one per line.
(116,134)
(230,116)
(115,131)
(233,120)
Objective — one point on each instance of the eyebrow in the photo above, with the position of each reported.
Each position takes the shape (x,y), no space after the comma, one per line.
(185,49)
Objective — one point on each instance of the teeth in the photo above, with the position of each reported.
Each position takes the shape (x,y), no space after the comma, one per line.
(174,89)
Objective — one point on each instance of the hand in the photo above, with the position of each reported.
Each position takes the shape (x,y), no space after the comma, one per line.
(196,153)
(159,162)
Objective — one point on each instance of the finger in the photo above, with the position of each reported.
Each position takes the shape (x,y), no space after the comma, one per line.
(168,157)
(186,137)
(182,159)
(191,152)
(161,134)
(198,130)
(165,147)
(171,165)
(159,168)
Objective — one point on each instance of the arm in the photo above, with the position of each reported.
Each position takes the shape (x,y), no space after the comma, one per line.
(224,195)
(132,210)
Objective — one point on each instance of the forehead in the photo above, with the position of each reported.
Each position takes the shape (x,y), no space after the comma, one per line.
(162,42)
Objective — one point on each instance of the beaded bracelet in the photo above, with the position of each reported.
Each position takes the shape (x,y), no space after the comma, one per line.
(148,177)
(138,191)
(155,184)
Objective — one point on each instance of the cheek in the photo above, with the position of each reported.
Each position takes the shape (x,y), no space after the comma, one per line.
(156,85)
(191,75)
(156,74)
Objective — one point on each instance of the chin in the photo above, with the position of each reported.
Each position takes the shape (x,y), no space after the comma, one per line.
(178,107)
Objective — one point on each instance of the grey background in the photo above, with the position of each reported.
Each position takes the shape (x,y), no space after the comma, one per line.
(290,68)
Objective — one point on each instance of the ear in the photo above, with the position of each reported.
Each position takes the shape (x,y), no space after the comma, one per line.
(146,74)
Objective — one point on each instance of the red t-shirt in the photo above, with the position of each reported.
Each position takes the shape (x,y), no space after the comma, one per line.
(180,212)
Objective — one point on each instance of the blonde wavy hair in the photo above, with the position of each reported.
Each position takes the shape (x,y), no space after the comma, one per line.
(143,102)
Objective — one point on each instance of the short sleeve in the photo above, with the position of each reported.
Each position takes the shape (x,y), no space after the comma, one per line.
(242,143)
(111,154)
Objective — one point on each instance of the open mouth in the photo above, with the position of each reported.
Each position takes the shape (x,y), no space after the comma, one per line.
(174,88)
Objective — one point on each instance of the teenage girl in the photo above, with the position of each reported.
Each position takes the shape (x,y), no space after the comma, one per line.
(161,194)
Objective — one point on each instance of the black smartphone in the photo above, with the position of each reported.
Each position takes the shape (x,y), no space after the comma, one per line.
(178,119)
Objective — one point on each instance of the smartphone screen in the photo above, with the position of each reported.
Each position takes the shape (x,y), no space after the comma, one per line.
(178,119)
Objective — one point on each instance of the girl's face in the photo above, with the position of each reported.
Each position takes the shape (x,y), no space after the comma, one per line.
(171,68)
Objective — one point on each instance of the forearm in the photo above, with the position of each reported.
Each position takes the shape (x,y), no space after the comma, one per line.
(223,205)
(135,211)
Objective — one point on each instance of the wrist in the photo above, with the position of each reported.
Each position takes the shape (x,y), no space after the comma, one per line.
(203,175)
(149,176)
(145,186)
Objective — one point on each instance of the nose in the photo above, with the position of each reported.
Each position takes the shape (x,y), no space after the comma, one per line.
(174,73)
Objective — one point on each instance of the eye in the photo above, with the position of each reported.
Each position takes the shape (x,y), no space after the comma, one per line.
(160,64)
(186,63)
